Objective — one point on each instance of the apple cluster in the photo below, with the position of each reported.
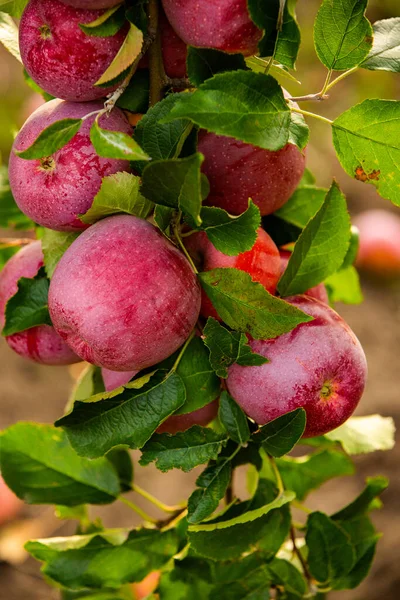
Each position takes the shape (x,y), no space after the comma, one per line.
(123,296)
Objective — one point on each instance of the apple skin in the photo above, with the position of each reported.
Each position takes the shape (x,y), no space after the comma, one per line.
(203,416)
(174,50)
(41,344)
(318,291)
(262,262)
(224,25)
(54,190)
(91,4)
(379,250)
(319,366)
(10,505)
(122,296)
(238,171)
(59,56)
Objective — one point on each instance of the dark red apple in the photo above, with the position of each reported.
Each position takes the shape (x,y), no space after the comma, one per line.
(41,344)
(59,56)
(318,291)
(262,262)
(224,24)
(319,366)
(379,250)
(54,190)
(92,4)
(174,50)
(238,171)
(122,296)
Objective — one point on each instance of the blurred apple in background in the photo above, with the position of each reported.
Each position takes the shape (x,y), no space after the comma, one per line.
(379,251)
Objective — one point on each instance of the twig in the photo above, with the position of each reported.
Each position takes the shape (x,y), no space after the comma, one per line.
(299,555)
(156,65)
(156,501)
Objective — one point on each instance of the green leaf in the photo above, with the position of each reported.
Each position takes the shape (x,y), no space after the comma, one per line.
(9,35)
(281,32)
(308,473)
(204,63)
(10,214)
(129,417)
(375,487)
(126,55)
(162,140)
(201,383)
(51,139)
(14,8)
(344,286)
(327,234)
(230,234)
(136,96)
(246,305)
(115,144)
(278,437)
(163,216)
(360,435)
(299,132)
(175,183)
(364,539)
(228,539)
(213,483)
(28,307)
(107,24)
(104,560)
(119,193)
(247,579)
(330,552)
(368,147)
(284,574)
(78,513)
(54,244)
(233,419)
(354,246)
(40,466)
(227,347)
(184,450)
(385,52)
(302,205)
(190,578)
(342,34)
(245,105)
(122,463)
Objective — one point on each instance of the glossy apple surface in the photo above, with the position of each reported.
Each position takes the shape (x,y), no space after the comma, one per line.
(41,344)
(319,366)
(63,60)
(262,262)
(122,296)
(54,190)
(223,25)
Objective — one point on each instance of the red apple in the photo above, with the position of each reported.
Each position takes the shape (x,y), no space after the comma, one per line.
(122,296)
(379,250)
(224,25)
(262,262)
(59,56)
(40,344)
(10,505)
(174,50)
(319,366)
(238,171)
(54,190)
(92,4)
(318,291)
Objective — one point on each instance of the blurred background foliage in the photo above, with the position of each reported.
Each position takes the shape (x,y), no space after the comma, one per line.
(29,391)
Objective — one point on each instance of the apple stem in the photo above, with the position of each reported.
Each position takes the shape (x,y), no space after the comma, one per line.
(279,482)
(177,235)
(137,510)
(156,65)
(156,502)
(310,114)
(299,555)
(182,351)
